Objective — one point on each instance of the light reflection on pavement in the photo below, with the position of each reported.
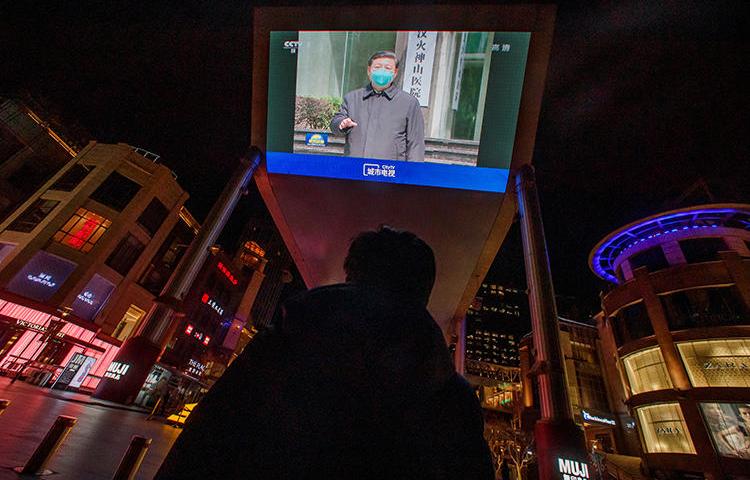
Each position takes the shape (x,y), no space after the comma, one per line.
(95,445)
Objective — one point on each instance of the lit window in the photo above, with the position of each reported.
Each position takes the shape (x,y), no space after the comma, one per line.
(128,323)
(83,230)
(646,371)
(663,429)
(717,363)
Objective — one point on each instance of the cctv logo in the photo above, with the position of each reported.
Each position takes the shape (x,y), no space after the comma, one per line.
(291,45)
(377,170)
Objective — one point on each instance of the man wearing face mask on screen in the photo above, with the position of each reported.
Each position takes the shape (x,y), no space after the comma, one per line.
(380,120)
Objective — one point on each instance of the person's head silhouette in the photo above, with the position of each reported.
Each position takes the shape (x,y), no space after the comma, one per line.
(395,261)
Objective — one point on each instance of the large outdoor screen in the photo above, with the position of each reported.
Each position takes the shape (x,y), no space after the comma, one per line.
(430,108)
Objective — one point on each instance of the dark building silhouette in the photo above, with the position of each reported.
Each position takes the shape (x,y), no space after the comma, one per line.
(34,146)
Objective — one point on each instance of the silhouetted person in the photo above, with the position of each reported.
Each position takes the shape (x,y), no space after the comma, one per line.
(354,381)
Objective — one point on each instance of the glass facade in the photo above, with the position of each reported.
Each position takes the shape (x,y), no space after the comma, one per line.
(153,216)
(83,230)
(124,256)
(717,363)
(663,429)
(646,371)
(697,250)
(653,259)
(72,178)
(631,323)
(704,307)
(116,191)
(33,215)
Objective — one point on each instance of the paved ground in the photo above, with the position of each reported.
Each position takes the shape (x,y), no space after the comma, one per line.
(95,445)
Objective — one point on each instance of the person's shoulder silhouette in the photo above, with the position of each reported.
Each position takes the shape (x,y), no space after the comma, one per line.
(353,381)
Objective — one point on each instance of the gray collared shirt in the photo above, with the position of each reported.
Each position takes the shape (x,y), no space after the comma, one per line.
(390,125)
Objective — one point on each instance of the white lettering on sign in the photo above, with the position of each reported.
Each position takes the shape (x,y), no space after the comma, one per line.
(420,56)
(291,45)
(43,278)
(86,297)
(212,303)
(195,367)
(116,370)
(377,170)
(36,327)
(572,469)
(597,418)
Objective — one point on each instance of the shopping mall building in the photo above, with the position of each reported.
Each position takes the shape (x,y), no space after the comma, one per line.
(82,259)
(676,338)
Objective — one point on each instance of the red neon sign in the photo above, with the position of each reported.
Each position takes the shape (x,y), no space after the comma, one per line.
(206,340)
(227,273)
(77,239)
(188,329)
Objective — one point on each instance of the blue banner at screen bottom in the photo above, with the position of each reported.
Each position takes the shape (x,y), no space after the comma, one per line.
(385,171)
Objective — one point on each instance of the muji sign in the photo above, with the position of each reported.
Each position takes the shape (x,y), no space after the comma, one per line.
(572,469)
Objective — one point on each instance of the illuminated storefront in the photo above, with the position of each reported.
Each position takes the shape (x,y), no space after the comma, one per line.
(678,323)
(646,371)
(717,363)
(663,429)
(37,342)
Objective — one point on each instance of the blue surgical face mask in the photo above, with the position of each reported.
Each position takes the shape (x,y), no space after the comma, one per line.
(382,77)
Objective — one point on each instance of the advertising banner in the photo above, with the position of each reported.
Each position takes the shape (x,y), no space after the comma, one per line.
(75,371)
(729,425)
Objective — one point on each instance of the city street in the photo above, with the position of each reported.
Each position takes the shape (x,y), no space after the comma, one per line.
(95,445)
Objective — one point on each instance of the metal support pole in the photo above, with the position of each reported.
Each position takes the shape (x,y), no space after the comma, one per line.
(131,461)
(549,366)
(558,439)
(157,327)
(48,447)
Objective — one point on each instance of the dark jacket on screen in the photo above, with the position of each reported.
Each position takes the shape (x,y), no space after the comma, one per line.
(390,125)
(349,383)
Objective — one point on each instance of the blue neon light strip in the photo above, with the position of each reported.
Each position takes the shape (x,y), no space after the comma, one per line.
(651,228)
(387,171)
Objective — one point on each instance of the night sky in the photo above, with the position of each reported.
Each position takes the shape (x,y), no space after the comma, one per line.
(643,100)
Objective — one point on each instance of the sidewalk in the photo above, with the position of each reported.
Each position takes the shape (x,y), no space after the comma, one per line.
(89,400)
(96,443)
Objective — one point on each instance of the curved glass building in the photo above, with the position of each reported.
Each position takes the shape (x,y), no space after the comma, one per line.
(675,331)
